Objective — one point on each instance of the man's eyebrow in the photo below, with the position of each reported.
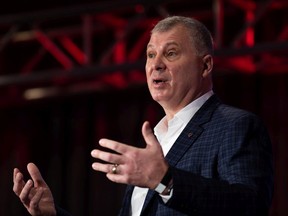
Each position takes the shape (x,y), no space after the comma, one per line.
(149,45)
(171,43)
(166,45)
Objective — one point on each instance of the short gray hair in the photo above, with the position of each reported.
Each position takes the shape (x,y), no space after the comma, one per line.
(200,36)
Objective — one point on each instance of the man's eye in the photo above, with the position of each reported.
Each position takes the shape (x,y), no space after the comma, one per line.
(150,55)
(171,54)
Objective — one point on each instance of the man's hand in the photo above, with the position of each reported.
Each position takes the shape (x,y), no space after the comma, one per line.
(34,194)
(142,167)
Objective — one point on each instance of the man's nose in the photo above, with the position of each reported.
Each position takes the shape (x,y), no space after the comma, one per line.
(158,64)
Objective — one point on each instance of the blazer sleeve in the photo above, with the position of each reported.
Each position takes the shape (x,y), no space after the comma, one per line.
(244,183)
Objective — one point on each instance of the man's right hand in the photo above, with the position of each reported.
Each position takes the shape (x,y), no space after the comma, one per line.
(35,193)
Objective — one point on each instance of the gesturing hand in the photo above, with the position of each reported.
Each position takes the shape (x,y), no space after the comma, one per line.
(143,167)
(34,194)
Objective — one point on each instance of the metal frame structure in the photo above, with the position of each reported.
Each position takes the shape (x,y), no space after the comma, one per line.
(94,46)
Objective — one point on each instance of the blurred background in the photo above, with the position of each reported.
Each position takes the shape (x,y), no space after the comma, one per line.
(72,72)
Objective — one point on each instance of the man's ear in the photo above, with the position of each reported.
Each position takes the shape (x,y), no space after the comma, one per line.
(208,65)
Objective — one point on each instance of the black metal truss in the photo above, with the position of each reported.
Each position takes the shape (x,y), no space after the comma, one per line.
(91,46)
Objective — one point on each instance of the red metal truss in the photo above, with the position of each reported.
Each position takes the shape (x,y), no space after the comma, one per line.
(91,46)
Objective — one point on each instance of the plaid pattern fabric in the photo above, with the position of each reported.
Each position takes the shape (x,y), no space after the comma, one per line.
(222,165)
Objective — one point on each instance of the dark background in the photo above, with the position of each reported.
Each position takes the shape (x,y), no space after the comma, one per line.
(106,96)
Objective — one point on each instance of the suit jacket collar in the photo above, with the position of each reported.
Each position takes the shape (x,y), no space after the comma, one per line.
(192,131)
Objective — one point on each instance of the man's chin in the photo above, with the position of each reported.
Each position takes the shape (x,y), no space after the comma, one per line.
(159,98)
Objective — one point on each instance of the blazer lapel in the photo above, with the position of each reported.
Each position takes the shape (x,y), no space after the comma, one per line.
(186,139)
(126,203)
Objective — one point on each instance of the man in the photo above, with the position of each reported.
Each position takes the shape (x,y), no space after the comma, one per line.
(206,158)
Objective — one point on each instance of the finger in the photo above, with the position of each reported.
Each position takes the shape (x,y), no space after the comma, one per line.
(34,202)
(18,182)
(107,156)
(24,195)
(148,134)
(17,176)
(116,178)
(15,172)
(105,168)
(35,175)
(118,147)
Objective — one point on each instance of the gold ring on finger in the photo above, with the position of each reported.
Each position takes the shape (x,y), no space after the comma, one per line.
(114,168)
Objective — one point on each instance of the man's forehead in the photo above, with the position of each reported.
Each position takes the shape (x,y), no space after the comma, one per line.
(167,38)
(174,32)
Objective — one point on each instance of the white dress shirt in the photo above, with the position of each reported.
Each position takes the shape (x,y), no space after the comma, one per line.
(167,134)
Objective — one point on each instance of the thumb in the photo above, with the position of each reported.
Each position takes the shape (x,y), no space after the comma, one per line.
(148,135)
(35,175)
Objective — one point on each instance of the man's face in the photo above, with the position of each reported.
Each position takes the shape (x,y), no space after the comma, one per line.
(173,70)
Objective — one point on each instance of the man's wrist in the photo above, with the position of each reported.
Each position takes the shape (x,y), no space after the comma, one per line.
(166,184)
(168,188)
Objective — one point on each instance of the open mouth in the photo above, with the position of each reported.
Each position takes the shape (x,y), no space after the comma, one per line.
(157,81)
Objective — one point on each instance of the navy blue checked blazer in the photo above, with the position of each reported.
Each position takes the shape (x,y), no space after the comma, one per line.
(221,165)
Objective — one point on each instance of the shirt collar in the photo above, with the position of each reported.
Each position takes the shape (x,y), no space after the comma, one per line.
(184,115)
